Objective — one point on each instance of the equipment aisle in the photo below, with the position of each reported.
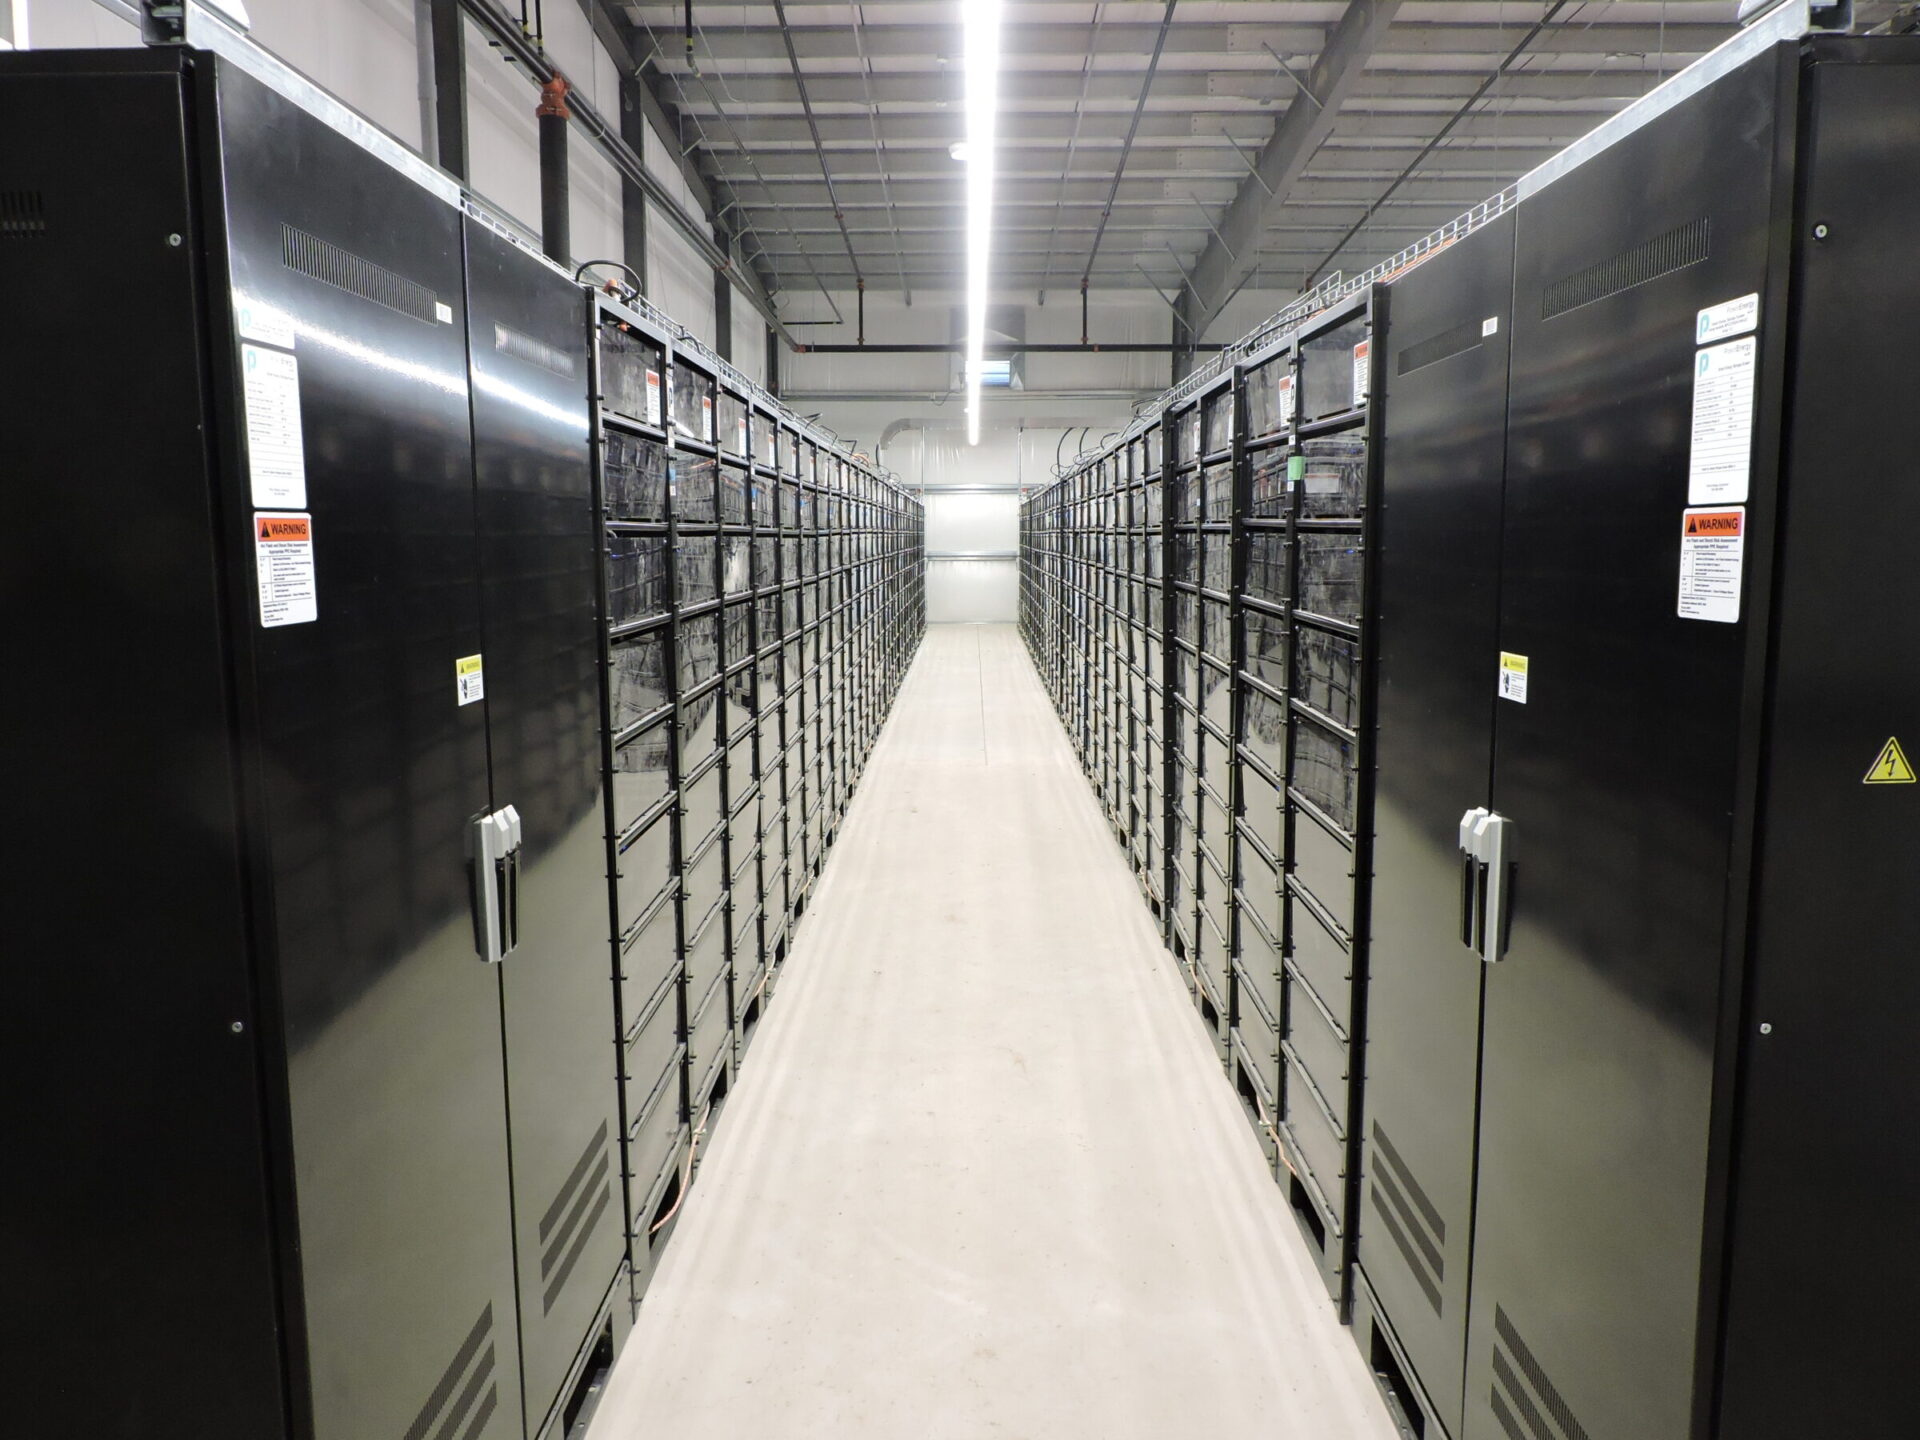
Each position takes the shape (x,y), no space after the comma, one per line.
(982,1176)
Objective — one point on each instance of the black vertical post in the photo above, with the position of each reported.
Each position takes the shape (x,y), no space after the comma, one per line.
(722,309)
(633,200)
(773,361)
(449,87)
(554,200)
(1182,339)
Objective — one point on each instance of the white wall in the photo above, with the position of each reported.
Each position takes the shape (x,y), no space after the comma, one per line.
(365,52)
(1069,401)
(749,338)
(75,25)
(933,456)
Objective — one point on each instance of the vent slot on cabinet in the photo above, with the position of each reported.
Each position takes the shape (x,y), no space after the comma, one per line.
(1680,247)
(570,1218)
(1505,1416)
(522,346)
(465,1398)
(22,213)
(330,265)
(1408,1216)
(1444,346)
(1520,1399)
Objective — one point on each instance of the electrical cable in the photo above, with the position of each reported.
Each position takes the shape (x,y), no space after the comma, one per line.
(686,1179)
(632,274)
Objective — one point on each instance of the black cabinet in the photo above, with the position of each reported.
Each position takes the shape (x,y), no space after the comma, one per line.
(349,626)
(1628,783)
(1569,778)
(358,623)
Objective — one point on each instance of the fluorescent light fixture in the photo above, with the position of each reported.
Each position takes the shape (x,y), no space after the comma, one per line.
(996,374)
(981,20)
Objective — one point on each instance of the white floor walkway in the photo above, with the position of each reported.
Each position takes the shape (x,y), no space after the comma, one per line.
(981,1174)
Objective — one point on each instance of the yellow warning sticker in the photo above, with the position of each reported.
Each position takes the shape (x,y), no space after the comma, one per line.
(470,679)
(1890,767)
(1513,677)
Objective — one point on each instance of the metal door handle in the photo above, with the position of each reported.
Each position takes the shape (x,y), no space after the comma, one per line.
(493,858)
(485,852)
(1473,894)
(1488,872)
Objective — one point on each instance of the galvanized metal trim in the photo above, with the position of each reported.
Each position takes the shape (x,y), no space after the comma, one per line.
(212,31)
(1791,21)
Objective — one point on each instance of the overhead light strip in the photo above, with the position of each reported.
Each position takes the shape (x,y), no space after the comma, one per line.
(981,20)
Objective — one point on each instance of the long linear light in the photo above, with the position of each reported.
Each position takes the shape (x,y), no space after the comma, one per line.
(981,19)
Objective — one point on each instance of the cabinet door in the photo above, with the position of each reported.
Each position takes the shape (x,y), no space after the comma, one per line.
(1619,774)
(1825,1108)
(528,342)
(370,770)
(1444,439)
(138,1247)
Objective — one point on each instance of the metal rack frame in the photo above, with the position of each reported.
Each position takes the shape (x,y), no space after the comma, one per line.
(1169,664)
(788,601)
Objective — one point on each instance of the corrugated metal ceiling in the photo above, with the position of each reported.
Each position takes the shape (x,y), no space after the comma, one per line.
(863,187)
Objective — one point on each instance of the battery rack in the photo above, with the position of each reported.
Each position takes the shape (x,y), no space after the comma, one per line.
(1220,705)
(764,593)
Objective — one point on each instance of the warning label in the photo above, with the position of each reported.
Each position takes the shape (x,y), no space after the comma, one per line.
(1890,767)
(1513,677)
(1722,453)
(1362,371)
(283,561)
(276,453)
(1713,546)
(653,397)
(1286,401)
(469,679)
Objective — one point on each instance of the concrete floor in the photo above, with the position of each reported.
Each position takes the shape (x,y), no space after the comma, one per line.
(981,1174)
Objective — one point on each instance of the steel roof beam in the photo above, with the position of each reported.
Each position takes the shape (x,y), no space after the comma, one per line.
(857,167)
(819,150)
(726,44)
(1115,91)
(1091,191)
(934,134)
(616,37)
(1231,254)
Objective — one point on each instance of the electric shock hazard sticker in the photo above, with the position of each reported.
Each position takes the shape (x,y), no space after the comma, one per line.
(1890,766)
(1513,677)
(1713,547)
(283,562)
(469,679)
